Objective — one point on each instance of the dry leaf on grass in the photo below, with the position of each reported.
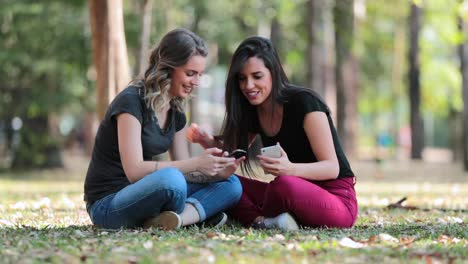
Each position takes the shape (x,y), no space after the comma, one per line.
(387,238)
(6,223)
(406,241)
(349,243)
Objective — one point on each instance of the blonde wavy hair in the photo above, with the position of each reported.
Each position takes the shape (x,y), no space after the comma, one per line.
(174,50)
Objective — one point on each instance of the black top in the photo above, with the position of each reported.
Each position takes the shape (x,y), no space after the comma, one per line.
(292,136)
(105,172)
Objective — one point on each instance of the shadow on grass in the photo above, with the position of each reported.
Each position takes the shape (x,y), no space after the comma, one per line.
(88,241)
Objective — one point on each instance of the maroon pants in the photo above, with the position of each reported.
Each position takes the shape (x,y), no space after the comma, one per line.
(329,203)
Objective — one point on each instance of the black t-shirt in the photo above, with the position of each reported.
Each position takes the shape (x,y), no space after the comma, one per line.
(105,172)
(292,136)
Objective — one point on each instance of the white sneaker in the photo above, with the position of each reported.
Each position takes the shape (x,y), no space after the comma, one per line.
(166,220)
(282,221)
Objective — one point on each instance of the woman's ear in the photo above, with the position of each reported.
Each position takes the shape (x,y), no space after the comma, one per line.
(169,73)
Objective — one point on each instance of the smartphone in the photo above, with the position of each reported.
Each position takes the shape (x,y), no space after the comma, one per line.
(271,151)
(237,153)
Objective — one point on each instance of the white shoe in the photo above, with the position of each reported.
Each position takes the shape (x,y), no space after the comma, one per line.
(166,220)
(282,221)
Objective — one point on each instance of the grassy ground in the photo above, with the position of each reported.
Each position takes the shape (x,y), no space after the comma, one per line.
(43,219)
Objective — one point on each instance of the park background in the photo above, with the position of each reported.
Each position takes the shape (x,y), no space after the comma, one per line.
(393,72)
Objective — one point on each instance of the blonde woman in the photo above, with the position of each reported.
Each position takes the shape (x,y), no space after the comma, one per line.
(124,188)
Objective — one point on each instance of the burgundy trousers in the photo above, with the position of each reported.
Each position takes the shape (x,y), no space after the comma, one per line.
(330,203)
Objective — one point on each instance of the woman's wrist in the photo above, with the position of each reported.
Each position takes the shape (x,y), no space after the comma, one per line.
(292,169)
(208,142)
(194,162)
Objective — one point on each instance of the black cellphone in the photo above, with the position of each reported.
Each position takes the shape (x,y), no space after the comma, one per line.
(237,153)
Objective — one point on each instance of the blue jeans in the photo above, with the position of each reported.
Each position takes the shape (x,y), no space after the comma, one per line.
(163,190)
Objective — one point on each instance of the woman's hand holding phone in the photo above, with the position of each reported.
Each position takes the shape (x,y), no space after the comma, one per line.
(237,153)
(275,161)
(240,155)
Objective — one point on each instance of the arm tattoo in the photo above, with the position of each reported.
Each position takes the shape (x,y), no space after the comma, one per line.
(197,177)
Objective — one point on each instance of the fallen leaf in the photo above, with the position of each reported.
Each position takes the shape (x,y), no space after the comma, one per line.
(279,237)
(347,242)
(372,239)
(448,240)
(79,233)
(19,206)
(6,223)
(132,260)
(119,249)
(452,219)
(43,203)
(387,238)
(211,234)
(148,244)
(406,240)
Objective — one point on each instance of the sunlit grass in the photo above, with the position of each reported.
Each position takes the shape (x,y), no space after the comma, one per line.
(43,219)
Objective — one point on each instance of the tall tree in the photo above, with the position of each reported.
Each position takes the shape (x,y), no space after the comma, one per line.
(200,10)
(109,50)
(315,47)
(146,7)
(346,100)
(463,54)
(276,33)
(416,122)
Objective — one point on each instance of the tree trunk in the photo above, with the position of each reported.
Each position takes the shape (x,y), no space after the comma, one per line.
(329,60)
(315,48)
(463,54)
(455,120)
(194,109)
(417,125)
(344,28)
(351,80)
(276,36)
(109,50)
(145,13)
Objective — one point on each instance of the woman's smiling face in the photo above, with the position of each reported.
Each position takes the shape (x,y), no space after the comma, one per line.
(185,78)
(255,81)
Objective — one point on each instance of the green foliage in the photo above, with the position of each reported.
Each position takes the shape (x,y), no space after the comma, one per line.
(45,56)
(45,51)
(37,149)
(382,47)
(441,80)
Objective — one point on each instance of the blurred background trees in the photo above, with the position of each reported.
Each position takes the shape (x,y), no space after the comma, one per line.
(392,72)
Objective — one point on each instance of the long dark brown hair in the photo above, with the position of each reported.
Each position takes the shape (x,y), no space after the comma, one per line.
(240,114)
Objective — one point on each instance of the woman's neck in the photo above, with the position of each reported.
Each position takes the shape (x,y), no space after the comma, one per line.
(265,108)
(270,117)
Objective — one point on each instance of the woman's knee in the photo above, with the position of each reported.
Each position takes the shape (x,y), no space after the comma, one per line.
(282,185)
(168,179)
(235,187)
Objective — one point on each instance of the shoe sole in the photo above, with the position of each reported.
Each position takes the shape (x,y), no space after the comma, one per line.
(287,222)
(166,220)
(222,221)
(208,223)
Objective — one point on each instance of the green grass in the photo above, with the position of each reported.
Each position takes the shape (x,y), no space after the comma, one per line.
(43,219)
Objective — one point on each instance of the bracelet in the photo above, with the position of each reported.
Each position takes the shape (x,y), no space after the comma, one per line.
(156,166)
